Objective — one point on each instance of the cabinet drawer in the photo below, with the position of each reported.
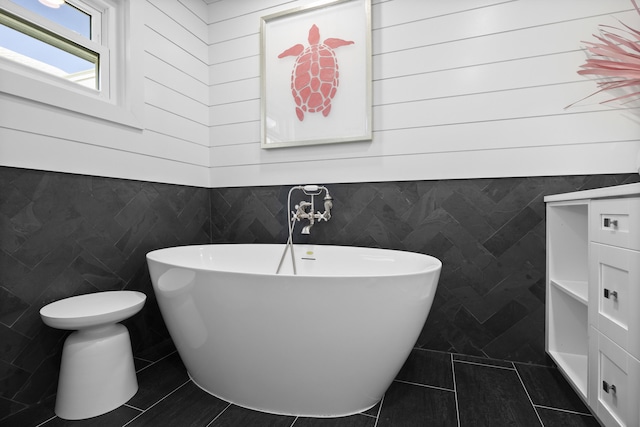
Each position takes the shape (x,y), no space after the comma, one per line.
(614,295)
(614,382)
(616,222)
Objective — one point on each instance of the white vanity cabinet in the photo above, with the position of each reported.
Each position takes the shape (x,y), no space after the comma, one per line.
(593,297)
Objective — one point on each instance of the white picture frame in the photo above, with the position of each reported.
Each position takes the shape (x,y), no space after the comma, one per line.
(301,105)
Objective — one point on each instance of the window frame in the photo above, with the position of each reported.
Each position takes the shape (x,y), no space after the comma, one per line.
(62,38)
(114,42)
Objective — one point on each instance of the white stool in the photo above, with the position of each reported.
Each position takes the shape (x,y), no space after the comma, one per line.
(97,374)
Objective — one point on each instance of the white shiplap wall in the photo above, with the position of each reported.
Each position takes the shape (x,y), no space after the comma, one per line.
(462,89)
(172,147)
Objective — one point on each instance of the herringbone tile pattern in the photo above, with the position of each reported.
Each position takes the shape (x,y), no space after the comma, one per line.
(64,235)
(489,234)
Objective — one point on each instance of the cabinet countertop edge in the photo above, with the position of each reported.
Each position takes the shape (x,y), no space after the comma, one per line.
(615,191)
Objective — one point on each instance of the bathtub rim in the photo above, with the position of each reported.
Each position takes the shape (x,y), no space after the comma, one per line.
(435,264)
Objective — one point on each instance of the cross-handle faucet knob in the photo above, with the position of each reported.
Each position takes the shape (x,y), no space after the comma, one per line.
(300,212)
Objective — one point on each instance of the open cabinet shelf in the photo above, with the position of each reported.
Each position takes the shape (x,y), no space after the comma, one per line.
(567,338)
(568,290)
(574,288)
(568,246)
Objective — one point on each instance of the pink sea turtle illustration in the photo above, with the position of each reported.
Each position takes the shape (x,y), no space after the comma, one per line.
(314,79)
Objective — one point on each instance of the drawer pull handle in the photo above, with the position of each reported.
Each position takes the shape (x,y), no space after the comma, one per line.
(608,387)
(608,222)
(612,294)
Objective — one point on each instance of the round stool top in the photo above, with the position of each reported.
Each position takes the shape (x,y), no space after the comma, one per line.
(90,310)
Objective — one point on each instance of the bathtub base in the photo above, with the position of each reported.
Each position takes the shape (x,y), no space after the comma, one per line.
(277,411)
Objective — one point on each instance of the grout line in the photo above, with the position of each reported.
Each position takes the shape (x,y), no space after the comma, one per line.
(152,406)
(528,395)
(132,407)
(568,411)
(45,422)
(219,414)
(159,360)
(425,385)
(364,415)
(143,359)
(485,357)
(484,364)
(455,388)
(379,410)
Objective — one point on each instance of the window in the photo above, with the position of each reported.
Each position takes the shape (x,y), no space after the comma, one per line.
(70,54)
(61,40)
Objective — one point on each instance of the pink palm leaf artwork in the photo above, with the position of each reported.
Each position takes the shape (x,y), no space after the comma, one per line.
(314,79)
(615,57)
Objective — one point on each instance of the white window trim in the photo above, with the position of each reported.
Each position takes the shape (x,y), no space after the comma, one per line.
(120,99)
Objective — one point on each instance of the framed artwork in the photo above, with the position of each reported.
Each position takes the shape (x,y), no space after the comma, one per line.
(315,64)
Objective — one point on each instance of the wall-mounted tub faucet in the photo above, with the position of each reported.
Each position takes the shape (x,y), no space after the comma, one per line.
(301,208)
(305,210)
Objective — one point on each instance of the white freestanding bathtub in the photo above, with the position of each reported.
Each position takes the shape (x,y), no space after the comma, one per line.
(323,343)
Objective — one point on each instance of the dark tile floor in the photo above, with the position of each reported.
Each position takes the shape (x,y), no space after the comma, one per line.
(432,389)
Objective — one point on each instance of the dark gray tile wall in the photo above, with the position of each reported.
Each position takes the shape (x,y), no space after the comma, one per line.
(63,235)
(489,234)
